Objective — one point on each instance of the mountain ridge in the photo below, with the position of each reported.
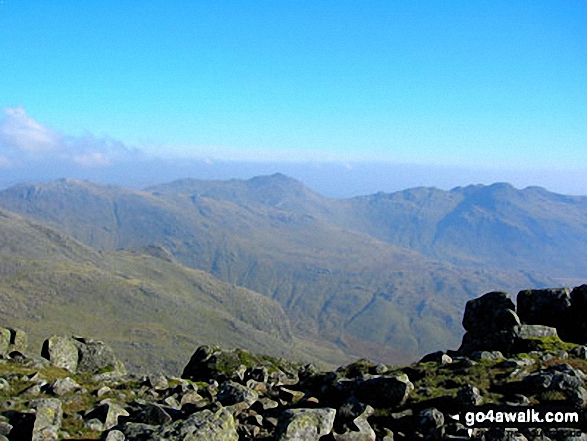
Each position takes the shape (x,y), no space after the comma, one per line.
(322,261)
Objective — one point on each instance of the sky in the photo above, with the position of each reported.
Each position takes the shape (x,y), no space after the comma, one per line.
(350,97)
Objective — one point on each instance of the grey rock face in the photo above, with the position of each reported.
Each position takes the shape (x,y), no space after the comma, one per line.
(96,356)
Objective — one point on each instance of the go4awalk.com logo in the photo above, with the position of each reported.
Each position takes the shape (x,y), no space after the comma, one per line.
(520,417)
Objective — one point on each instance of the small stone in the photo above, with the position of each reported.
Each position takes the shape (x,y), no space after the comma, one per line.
(63,386)
(158,381)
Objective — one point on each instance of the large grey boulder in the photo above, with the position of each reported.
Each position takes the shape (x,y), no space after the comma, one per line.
(305,424)
(78,354)
(96,356)
(546,307)
(61,352)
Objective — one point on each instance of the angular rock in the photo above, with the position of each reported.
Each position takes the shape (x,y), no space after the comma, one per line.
(431,423)
(202,426)
(574,327)
(61,352)
(436,357)
(4,342)
(107,413)
(63,386)
(469,395)
(494,311)
(231,393)
(305,424)
(543,306)
(351,422)
(384,391)
(96,356)
(536,331)
(48,418)
(12,340)
(157,381)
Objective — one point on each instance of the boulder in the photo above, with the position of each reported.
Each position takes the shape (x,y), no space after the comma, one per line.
(12,340)
(494,311)
(107,413)
(48,418)
(61,352)
(202,426)
(305,424)
(574,327)
(384,391)
(96,356)
(546,307)
(77,354)
(231,393)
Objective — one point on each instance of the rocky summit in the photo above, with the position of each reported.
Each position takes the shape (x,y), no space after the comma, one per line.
(510,355)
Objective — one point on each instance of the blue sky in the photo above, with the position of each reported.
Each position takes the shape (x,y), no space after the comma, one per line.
(477,85)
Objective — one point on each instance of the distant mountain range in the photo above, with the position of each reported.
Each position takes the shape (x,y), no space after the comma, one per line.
(383,276)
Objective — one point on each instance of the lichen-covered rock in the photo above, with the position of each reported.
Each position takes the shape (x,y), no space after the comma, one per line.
(63,386)
(305,424)
(48,419)
(204,425)
(61,352)
(96,356)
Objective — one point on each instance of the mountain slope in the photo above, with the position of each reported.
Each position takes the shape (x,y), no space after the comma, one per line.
(151,309)
(273,236)
(495,225)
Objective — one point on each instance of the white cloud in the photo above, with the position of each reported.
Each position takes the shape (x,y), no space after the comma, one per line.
(23,139)
(20,131)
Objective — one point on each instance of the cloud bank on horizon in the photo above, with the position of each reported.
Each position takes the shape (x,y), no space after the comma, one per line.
(23,140)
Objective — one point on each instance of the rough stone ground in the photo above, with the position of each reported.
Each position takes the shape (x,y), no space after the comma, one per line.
(78,390)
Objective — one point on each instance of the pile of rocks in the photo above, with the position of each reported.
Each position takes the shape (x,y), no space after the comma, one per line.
(493,324)
(77,389)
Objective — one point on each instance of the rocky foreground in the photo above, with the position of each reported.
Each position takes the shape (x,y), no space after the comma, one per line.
(77,389)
